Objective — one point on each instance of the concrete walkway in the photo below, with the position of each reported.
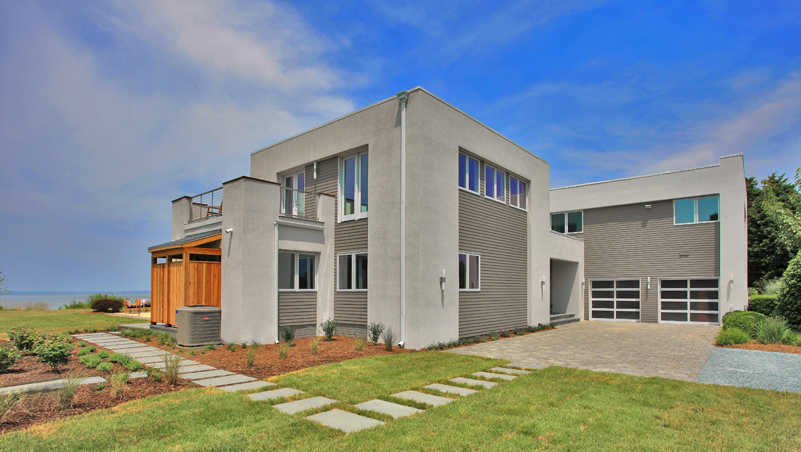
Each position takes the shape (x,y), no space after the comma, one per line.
(641,349)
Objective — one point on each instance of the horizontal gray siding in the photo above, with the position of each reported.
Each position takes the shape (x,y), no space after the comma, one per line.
(496,232)
(634,242)
(297,308)
(350,307)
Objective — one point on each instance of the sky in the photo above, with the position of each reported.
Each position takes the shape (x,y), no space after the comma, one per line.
(110,110)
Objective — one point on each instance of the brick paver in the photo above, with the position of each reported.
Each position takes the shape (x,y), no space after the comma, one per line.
(643,349)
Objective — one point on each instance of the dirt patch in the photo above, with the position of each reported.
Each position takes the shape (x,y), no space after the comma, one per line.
(268,364)
(779,348)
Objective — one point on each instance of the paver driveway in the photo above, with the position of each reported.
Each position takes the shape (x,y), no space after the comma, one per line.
(643,349)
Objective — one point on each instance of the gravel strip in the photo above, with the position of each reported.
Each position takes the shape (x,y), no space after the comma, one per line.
(753,369)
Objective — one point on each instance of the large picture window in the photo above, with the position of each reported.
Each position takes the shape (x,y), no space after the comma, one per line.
(696,210)
(494,184)
(567,222)
(517,193)
(468,173)
(353,193)
(352,271)
(469,271)
(296,271)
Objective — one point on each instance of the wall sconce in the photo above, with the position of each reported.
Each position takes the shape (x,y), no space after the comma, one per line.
(229,230)
(731,278)
(543,280)
(647,206)
(315,170)
(442,281)
(649,282)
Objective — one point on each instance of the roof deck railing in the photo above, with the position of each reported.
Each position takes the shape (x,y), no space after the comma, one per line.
(206,205)
(298,203)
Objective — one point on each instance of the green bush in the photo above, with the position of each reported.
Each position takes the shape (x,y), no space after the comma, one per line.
(103,354)
(792,338)
(771,330)
(288,333)
(374,331)
(119,358)
(763,304)
(329,327)
(8,356)
(745,320)
(24,338)
(91,361)
(105,367)
(133,365)
(732,336)
(55,351)
(107,305)
(788,304)
(75,304)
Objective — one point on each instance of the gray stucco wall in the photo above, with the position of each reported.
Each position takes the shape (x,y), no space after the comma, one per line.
(181,208)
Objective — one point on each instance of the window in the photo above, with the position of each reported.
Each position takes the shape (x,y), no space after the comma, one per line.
(494,184)
(352,271)
(469,271)
(468,173)
(353,193)
(296,271)
(517,193)
(567,222)
(294,202)
(695,210)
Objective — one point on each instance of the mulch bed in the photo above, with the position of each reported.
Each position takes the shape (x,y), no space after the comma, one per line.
(267,362)
(779,348)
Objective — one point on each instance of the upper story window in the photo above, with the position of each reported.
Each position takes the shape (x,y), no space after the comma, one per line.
(352,271)
(696,210)
(296,271)
(294,202)
(494,184)
(468,173)
(567,222)
(517,193)
(469,271)
(353,189)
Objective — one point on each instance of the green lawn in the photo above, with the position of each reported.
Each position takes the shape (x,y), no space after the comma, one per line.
(554,408)
(65,319)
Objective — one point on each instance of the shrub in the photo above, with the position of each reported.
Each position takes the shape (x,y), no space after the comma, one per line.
(283,351)
(773,287)
(165,338)
(745,320)
(329,327)
(763,304)
(251,358)
(133,365)
(732,336)
(24,338)
(117,384)
(75,304)
(771,330)
(519,331)
(107,305)
(105,367)
(8,356)
(119,358)
(389,338)
(231,347)
(54,351)
(172,365)
(211,345)
(505,333)
(374,331)
(103,354)
(91,361)
(494,336)
(288,333)
(67,392)
(313,345)
(788,304)
(792,338)
(358,344)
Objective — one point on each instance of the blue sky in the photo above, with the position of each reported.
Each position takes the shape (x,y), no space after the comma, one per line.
(109,110)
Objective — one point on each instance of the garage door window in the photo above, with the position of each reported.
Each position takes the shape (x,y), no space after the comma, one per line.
(689,300)
(615,299)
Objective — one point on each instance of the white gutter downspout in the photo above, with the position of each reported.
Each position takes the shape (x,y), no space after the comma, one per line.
(403,97)
(276,283)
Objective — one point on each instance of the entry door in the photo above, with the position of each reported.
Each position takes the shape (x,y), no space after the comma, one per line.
(689,301)
(615,299)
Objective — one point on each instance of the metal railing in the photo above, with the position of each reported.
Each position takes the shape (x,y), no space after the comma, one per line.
(206,205)
(298,203)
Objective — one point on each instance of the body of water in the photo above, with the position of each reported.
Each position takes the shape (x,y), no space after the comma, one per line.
(12,300)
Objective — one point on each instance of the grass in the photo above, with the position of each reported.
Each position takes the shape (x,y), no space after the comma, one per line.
(61,321)
(554,408)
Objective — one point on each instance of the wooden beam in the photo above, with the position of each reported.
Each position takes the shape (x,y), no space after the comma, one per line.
(213,251)
(186,278)
(191,244)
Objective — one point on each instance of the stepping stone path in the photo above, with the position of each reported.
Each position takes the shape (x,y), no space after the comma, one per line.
(344,420)
(303,404)
(473,382)
(493,376)
(193,371)
(451,389)
(388,408)
(48,385)
(510,371)
(275,394)
(422,397)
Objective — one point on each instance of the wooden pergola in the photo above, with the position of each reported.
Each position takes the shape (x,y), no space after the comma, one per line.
(189,275)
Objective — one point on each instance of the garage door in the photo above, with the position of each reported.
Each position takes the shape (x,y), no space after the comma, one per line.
(689,301)
(615,299)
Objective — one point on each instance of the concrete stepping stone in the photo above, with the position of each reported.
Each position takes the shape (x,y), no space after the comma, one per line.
(48,385)
(451,389)
(223,381)
(304,404)
(275,394)
(421,397)
(492,375)
(510,371)
(133,349)
(205,374)
(344,420)
(184,363)
(473,382)
(194,368)
(247,386)
(144,354)
(151,360)
(530,366)
(392,409)
(115,342)
(137,375)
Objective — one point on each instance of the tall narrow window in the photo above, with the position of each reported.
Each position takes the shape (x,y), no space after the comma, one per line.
(468,173)
(469,271)
(354,172)
(352,271)
(517,192)
(286,270)
(494,184)
(296,271)
(293,198)
(306,271)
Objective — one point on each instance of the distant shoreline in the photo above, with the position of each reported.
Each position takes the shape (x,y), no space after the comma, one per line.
(54,300)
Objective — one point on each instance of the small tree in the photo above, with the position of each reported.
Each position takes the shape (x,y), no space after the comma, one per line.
(3,284)
(788,303)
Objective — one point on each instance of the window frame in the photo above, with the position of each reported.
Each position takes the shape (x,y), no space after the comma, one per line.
(357,195)
(354,278)
(695,210)
(296,276)
(495,173)
(467,270)
(297,198)
(467,174)
(522,193)
(566,216)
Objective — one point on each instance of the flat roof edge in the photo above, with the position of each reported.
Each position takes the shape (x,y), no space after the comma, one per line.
(643,176)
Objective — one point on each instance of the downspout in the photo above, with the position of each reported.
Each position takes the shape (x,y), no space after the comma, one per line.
(276,283)
(403,97)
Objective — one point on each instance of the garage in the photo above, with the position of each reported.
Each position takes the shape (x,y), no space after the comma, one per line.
(691,300)
(612,299)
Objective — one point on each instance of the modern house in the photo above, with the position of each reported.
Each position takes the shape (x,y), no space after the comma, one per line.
(411,213)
